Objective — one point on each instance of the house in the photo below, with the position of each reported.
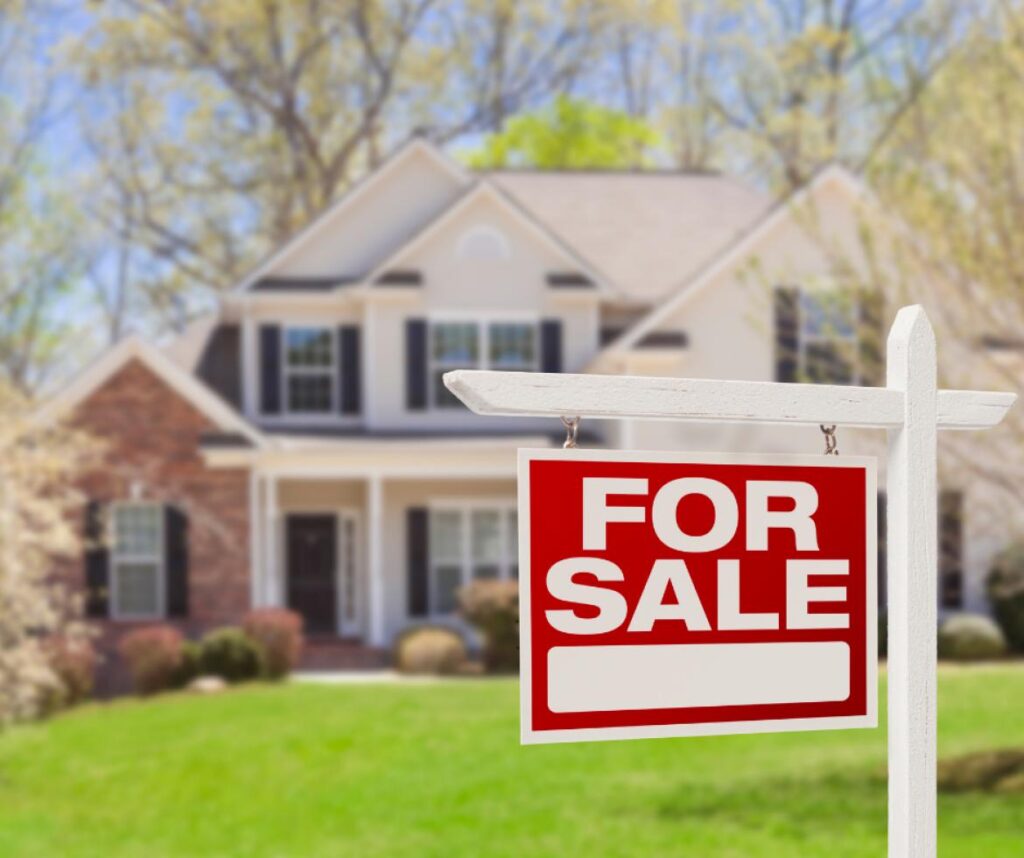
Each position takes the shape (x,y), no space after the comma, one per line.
(300,448)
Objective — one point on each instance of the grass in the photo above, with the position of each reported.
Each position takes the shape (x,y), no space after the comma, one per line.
(436,770)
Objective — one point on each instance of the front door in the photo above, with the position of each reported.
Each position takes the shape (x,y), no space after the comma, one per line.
(312,554)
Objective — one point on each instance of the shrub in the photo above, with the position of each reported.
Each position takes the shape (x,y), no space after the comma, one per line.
(430,649)
(229,654)
(154,655)
(1006,593)
(278,633)
(883,635)
(493,608)
(73,661)
(968,637)
(188,668)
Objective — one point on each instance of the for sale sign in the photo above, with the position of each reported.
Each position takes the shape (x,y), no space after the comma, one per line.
(681,595)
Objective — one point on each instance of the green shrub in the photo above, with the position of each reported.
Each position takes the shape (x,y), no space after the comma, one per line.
(1006,593)
(278,633)
(493,608)
(154,655)
(431,650)
(188,668)
(231,655)
(883,635)
(969,637)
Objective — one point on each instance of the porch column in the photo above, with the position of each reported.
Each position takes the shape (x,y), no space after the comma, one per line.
(374,558)
(273,588)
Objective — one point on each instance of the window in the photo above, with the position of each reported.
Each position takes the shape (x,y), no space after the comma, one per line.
(466,544)
(472,345)
(828,338)
(309,366)
(137,560)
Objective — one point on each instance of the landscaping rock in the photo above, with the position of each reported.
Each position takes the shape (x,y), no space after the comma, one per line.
(1001,770)
(207,685)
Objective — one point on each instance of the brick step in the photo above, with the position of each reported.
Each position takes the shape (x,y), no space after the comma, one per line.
(341,654)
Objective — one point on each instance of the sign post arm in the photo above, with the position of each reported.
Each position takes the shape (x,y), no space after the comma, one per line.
(913,592)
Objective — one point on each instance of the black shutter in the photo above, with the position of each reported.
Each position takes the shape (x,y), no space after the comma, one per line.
(415,364)
(787,331)
(871,335)
(418,559)
(176,561)
(270,369)
(349,370)
(97,561)
(951,566)
(551,345)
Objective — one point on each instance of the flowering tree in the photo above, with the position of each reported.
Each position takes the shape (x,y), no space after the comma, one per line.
(38,510)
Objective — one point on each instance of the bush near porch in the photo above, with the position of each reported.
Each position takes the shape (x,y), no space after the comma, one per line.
(437,770)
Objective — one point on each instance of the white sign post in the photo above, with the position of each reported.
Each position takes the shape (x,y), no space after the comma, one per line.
(910,408)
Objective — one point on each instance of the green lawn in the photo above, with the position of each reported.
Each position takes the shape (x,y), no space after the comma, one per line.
(437,770)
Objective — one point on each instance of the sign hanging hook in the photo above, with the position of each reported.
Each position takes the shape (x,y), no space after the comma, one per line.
(831,445)
(572,429)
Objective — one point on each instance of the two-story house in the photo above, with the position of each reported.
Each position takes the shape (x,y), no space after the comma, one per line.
(300,449)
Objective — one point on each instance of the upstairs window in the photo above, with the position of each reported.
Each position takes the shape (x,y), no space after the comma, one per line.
(828,339)
(137,561)
(473,345)
(309,366)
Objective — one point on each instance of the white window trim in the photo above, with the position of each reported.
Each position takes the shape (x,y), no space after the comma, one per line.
(483,329)
(465,507)
(803,340)
(287,371)
(116,559)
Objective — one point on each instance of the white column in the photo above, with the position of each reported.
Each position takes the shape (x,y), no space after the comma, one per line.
(374,559)
(913,596)
(273,579)
(256,598)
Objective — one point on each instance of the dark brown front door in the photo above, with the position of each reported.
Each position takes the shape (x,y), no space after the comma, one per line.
(312,560)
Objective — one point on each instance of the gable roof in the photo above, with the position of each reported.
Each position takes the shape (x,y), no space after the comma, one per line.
(329,214)
(647,231)
(736,250)
(178,379)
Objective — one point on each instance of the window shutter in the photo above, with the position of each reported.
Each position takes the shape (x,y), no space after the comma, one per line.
(418,549)
(951,567)
(176,561)
(416,364)
(97,561)
(787,331)
(872,336)
(270,369)
(349,370)
(551,345)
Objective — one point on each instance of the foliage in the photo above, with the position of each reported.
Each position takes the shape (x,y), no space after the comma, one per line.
(990,771)
(73,661)
(493,607)
(278,632)
(38,505)
(970,637)
(570,134)
(433,650)
(1005,587)
(188,666)
(883,634)
(154,655)
(231,655)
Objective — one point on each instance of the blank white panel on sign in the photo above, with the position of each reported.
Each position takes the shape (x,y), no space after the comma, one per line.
(671,676)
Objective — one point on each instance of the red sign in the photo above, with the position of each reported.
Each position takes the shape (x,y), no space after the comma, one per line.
(677,595)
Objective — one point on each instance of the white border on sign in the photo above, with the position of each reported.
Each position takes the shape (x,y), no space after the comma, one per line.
(529,736)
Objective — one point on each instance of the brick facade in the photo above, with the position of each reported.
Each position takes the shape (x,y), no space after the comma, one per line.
(151,437)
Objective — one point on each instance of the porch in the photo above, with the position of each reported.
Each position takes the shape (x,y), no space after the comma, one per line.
(364,553)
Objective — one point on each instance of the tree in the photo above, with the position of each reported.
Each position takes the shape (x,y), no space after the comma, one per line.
(570,134)
(37,507)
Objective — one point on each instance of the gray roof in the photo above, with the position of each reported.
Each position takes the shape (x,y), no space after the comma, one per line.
(647,232)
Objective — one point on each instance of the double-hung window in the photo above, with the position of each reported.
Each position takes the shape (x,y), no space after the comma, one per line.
(828,337)
(475,345)
(309,368)
(137,560)
(469,543)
